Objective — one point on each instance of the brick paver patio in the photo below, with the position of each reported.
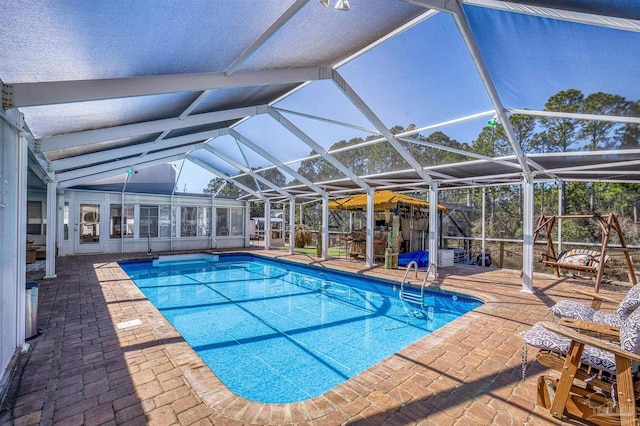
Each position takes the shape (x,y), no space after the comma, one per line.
(84,370)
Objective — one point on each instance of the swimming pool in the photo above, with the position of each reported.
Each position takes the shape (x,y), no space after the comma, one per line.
(276,331)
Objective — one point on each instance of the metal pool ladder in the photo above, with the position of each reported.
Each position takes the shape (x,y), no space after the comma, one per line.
(417,298)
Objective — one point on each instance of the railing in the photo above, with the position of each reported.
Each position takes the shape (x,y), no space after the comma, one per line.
(412,297)
(417,298)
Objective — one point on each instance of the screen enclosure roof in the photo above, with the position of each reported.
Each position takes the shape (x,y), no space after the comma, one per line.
(294,99)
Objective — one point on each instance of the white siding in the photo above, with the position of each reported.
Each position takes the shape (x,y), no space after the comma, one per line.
(13,172)
(139,244)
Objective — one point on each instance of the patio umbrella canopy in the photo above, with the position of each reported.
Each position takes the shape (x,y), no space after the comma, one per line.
(382,200)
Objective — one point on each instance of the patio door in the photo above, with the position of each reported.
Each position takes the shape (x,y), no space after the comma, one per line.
(88,229)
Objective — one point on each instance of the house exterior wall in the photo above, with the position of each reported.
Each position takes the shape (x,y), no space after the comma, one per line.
(180,237)
(13,189)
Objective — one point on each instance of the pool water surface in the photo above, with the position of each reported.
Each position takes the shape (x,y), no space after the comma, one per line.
(277,332)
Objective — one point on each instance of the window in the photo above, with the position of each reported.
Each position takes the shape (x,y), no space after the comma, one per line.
(237,221)
(189,221)
(204,221)
(34,217)
(65,221)
(222,222)
(195,221)
(165,221)
(116,219)
(148,221)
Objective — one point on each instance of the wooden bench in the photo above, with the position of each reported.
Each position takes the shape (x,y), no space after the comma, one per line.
(592,263)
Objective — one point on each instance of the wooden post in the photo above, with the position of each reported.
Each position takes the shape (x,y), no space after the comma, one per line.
(630,272)
(571,364)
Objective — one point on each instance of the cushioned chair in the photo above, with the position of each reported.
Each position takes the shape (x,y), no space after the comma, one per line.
(570,309)
(596,381)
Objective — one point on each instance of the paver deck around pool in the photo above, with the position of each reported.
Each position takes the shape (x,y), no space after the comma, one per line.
(83,369)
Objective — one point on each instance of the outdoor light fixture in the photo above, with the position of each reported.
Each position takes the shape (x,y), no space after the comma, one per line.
(494,121)
(340,5)
(343,5)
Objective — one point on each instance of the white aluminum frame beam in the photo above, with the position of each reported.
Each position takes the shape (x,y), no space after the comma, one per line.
(577,116)
(184,114)
(565,15)
(264,37)
(460,18)
(224,176)
(259,150)
(328,120)
(127,162)
(585,168)
(61,92)
(467,34)
(114,172)
(187,142)
(267,224)
(369,254)
(364,50)
(325,227)
(527,236)
(357,101)
(246,170)
(292,224)
(433,230)
(460,151)
(381,139)
(317,147)
(87,137)
(52,226)
(337,164)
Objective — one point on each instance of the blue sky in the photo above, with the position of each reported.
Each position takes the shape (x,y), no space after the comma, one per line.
(426,75)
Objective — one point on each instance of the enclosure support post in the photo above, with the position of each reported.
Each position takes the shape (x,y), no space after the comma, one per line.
(292,224)
(301,215)
(484,218)
(325,227)
(527,236)
(267,224)
(52,225)
(369,240)
(433,229)
(247,221)
(560,213)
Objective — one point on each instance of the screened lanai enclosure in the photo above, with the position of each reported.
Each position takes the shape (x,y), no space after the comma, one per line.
(514,108)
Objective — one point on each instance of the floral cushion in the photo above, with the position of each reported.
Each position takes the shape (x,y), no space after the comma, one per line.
(569,309)
(580,259)
(630,302)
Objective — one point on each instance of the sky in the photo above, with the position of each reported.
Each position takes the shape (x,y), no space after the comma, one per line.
(426,75)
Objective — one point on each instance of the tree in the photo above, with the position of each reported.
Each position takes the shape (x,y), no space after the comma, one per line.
(629,134)
(491,142)
(559,133)
(524,127)
(596,132)
(220,186)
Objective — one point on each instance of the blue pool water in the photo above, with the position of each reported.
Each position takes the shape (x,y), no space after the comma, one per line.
(276,332)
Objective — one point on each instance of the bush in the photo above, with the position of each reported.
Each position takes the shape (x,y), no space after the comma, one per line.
(302,236)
